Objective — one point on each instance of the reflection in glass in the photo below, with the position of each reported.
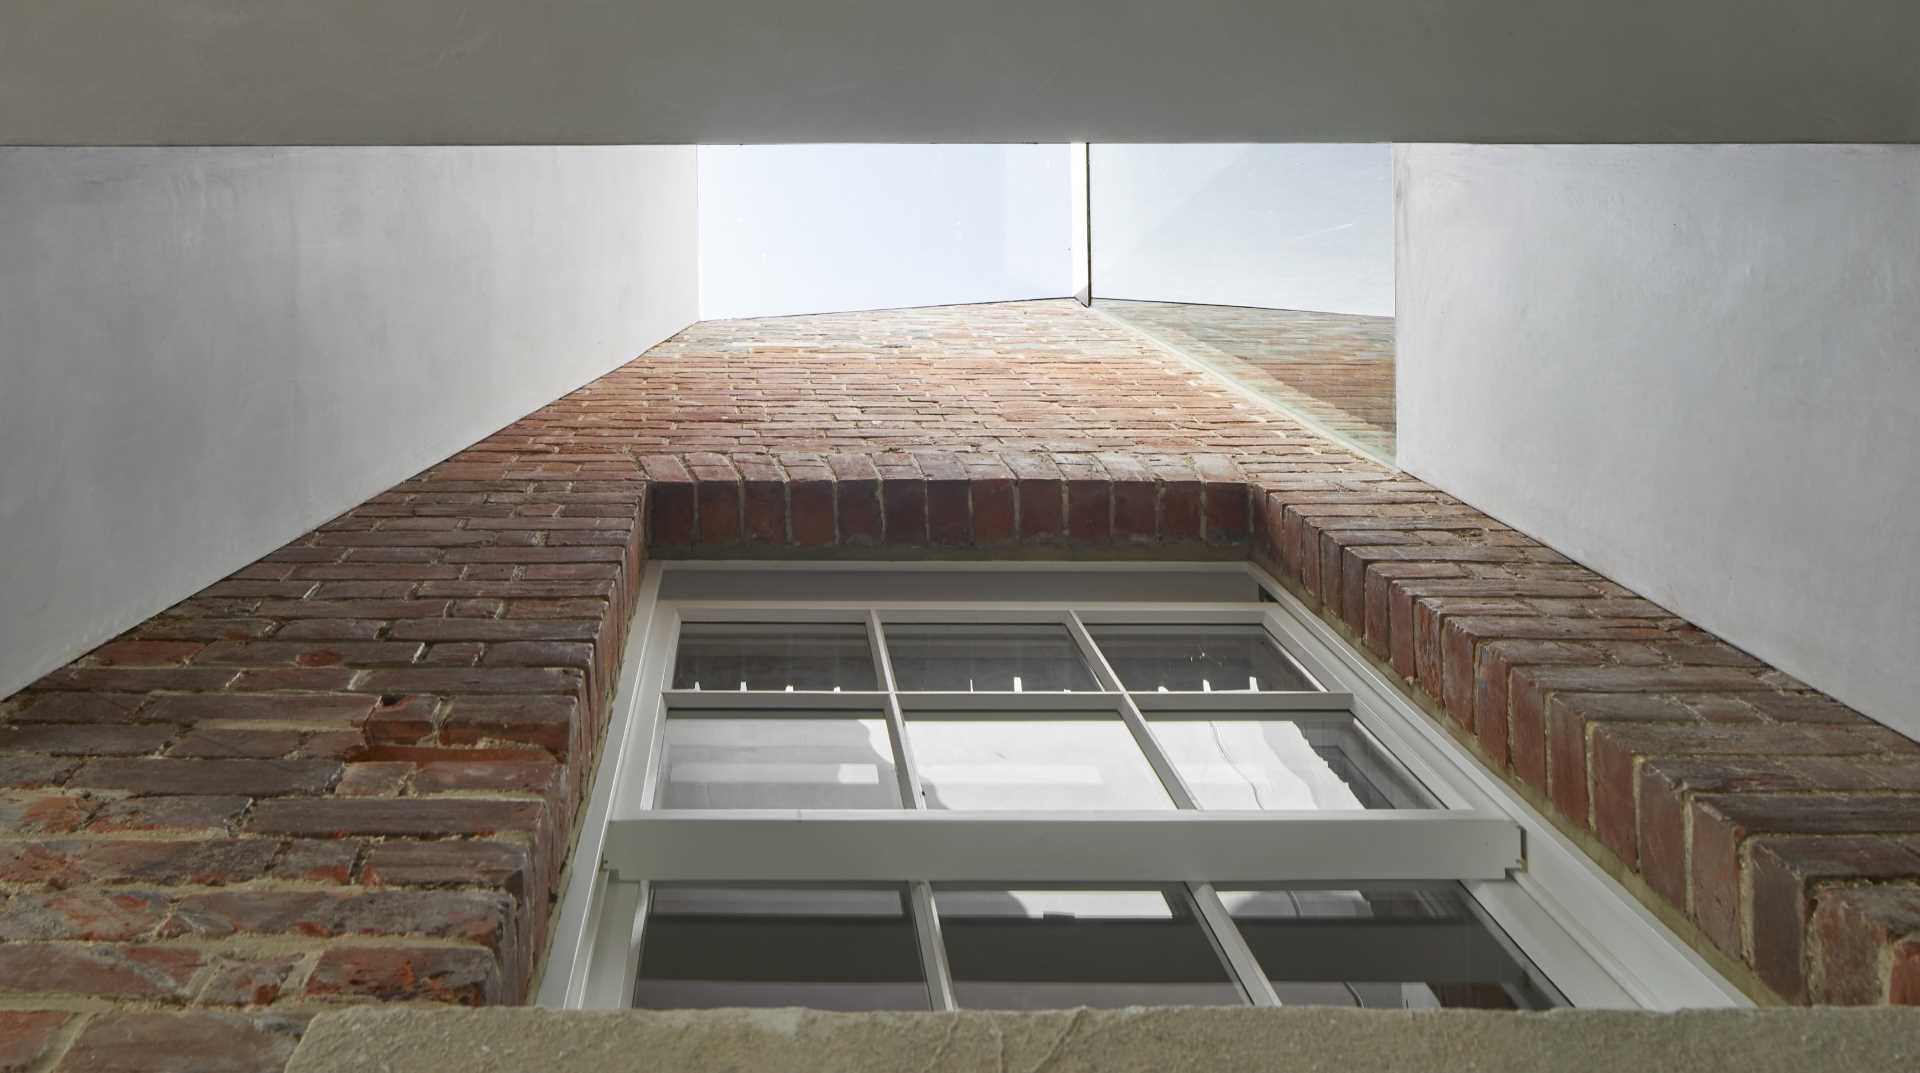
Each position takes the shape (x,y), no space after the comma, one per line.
(1195,659)
(1037,950)
(1006,657)
(785,762)
(1405,948)
(798,655)
(1031,762)
(1323,763)
(706,947)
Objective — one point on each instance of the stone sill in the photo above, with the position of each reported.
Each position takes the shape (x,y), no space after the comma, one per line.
(1112,1041)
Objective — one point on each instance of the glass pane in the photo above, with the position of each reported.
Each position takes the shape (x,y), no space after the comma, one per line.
(1051,949)
(788,655)
(1325,763)
(1012,657)
(787,762)
(1195,659)
(1030,762)
(1411,948)
(707,947)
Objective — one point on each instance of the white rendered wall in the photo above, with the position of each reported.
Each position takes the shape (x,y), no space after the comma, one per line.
(1280,226)
(206,352)
(825,228)
(1694,368)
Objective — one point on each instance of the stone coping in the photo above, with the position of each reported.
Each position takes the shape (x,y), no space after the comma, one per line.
(1113,1041)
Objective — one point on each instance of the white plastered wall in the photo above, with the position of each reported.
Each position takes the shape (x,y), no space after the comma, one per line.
(206,352)
(1694,368)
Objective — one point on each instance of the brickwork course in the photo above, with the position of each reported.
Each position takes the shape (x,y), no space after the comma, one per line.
(349,772)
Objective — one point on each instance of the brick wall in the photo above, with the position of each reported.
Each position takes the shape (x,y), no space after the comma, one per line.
(349,772)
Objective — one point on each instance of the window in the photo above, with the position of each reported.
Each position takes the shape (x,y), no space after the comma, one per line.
(1017,786)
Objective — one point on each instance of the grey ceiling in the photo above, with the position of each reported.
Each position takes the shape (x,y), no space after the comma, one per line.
(622,71)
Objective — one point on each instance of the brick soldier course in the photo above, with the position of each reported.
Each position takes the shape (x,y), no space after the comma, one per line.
(349,773)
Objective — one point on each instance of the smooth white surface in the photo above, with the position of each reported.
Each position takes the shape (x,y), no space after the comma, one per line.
(462,72)
(204,353)
(826,228)
(1695,369)
(1278,226)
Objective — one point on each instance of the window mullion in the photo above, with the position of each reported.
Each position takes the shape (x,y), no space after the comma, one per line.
(903,766)
(933,949)
(1232,945)
(1176,787)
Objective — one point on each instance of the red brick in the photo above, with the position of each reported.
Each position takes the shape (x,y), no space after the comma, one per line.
(255,778)
(904,505)
(251,982)
(334,817)
(143,653)
(1722,823)
(375,779)
(21,770)
(857,499)
(153,973)
(1043,505)
(236,742)
(70,862)
(310,653)
(142,1042)
(91,708)
(405,863)
(261,707)
(84,739)
(549,722)
(1785,871)
(188,813)
(27,1034)
(470,916)
(89,915)
(460,976)
(810,510)
(1860,937)
(720,509)
(489,776)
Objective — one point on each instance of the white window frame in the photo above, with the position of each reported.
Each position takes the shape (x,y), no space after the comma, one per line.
(1597,945)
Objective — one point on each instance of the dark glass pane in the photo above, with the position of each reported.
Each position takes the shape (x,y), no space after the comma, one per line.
(810,655)
(1193,659)
(706,947)
(788,762)
(1307,763)
(1051,949)
(1408,948)
(1017,657)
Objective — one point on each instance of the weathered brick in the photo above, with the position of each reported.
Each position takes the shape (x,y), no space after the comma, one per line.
(461,976)
(84,739)
(143,1042)
(549,722)
(186,813)
(25,1035)
(335,817)
(255,778)
(1860,938)
(89,915)
(1785,871)
(153,973)
(1722,822)
(67,863)
(407,863)
(329,708)
(471,916)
